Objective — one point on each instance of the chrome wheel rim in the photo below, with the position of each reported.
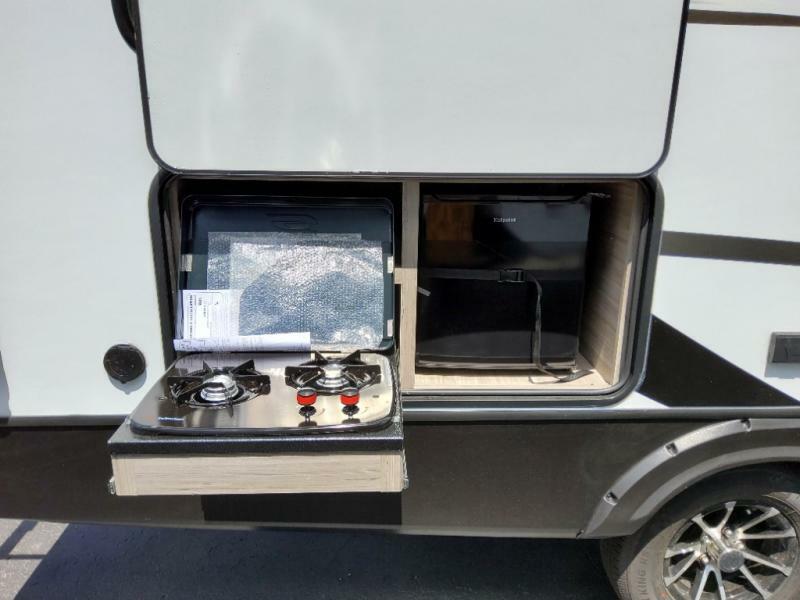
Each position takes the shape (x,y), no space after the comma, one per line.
(733,551)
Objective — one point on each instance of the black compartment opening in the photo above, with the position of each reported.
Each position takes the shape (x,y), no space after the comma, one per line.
(477,304)
(180,196)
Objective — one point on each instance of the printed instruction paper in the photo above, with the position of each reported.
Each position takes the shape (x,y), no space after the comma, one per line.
(211,324)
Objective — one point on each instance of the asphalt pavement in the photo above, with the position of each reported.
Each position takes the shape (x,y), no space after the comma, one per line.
(48,560)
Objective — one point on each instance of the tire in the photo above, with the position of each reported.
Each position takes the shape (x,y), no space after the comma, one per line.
(635,565)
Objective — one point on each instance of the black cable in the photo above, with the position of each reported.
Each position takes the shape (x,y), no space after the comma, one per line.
(536,342)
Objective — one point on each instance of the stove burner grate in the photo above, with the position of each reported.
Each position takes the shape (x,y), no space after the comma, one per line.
(332,375)
(218,387)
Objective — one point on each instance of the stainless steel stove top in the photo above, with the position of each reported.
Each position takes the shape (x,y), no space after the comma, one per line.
(260,408)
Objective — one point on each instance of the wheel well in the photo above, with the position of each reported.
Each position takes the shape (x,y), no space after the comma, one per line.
(788,469)
(784,469)
(662,477)
(639,564)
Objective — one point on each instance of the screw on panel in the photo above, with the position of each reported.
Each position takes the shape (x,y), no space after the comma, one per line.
(112,487)
(672,449)
(747,424)
(611,498)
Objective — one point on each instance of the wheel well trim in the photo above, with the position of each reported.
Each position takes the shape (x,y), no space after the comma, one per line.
(655,480)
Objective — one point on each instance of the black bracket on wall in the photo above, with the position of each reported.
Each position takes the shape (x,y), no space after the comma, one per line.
(124,19)
(784,348)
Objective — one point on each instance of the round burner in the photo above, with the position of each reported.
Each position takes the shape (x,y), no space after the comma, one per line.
(220,388)
(333,376)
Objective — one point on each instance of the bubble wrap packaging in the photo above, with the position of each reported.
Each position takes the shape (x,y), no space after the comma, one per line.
(328,284)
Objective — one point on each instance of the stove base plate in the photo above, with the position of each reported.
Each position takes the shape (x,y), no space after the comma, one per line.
(274,413)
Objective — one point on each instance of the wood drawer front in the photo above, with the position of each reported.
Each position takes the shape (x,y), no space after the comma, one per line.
(153,475)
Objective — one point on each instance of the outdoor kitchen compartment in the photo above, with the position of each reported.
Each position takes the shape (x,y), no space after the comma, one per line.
(494,262)
(262,135)
(274,420)
(501,280)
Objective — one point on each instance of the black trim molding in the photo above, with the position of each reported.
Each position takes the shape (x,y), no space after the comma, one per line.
(726,247)
(682,373)
(124,20)
(719,17)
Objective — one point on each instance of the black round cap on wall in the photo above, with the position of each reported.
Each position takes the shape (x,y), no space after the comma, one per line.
(124,362)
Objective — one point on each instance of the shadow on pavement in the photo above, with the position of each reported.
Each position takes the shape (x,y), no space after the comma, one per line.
(119,562)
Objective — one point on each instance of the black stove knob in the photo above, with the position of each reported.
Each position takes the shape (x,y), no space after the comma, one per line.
(350,410)
(124,362)
(307,412)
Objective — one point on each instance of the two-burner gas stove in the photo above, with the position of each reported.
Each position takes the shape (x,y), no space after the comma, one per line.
(269,393)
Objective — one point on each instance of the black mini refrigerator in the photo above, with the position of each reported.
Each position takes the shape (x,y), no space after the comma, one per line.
(501,280)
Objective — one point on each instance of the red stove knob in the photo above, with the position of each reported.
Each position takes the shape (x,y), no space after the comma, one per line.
(349,397)
(306,396)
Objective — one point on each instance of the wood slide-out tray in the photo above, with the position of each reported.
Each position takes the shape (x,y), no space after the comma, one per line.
(362,461)
(148,475)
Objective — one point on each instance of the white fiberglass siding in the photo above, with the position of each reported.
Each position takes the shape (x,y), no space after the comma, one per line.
(76,269)
(733,171)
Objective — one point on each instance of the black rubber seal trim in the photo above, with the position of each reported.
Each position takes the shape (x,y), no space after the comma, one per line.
(489,413)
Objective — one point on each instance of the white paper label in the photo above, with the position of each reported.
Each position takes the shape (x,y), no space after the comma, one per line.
(210,313)
(211,324)
(270,342)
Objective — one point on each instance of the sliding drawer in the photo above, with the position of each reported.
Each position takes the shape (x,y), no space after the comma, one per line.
(152,465)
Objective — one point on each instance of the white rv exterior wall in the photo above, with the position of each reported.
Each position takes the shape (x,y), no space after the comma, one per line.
(733,170)
(778,7)
(76,271)
(76,268)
